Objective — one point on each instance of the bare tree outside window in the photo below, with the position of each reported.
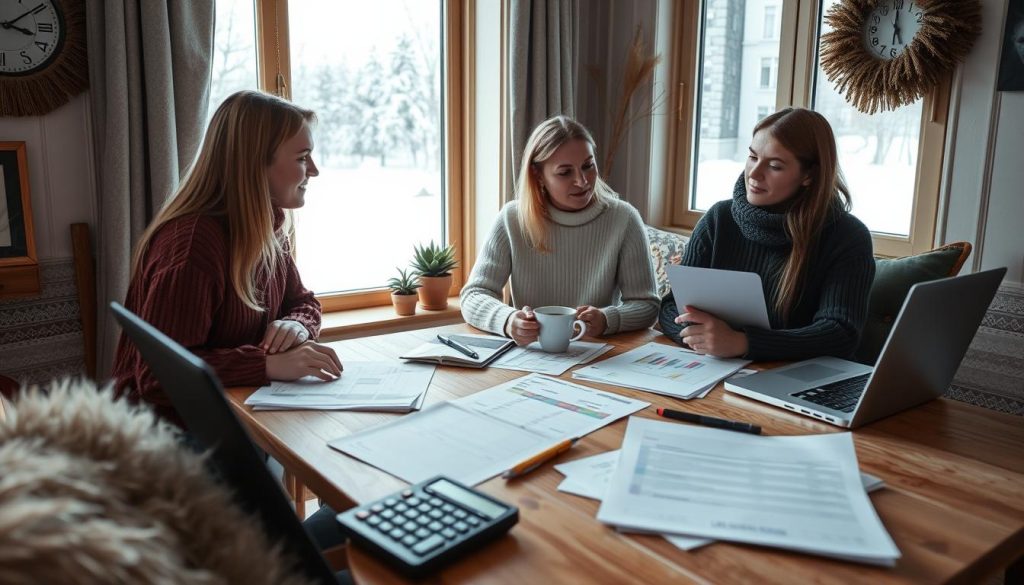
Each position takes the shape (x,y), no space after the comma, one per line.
(234,51)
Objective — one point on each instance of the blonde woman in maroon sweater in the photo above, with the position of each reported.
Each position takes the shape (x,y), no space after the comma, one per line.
(213,270)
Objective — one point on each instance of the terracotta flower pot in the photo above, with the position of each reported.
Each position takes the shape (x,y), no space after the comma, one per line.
(405,305)
(433,292)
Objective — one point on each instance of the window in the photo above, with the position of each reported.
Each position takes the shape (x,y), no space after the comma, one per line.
(769,72)
(769,31)
(234,51)
(379,76)
(892,161)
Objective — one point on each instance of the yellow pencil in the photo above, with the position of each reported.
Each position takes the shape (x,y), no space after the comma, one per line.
(538,459)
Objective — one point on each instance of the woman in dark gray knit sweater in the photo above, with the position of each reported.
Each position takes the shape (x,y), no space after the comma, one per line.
(788,221)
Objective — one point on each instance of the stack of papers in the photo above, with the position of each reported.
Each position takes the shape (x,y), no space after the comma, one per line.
(378,386)
(800,493)
(590,477)
(477,437)
(663,369)
(533,359)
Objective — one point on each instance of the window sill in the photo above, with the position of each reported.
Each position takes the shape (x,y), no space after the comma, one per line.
(379,320)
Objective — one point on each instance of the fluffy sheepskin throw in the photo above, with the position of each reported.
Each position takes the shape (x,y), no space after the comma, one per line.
(94,490)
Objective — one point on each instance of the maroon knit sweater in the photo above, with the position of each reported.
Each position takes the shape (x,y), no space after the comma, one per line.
(183,288)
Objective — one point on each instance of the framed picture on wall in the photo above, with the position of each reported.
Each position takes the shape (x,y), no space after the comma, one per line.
(17,245)
(1011,64)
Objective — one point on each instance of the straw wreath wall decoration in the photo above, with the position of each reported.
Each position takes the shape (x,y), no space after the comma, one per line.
(883,54)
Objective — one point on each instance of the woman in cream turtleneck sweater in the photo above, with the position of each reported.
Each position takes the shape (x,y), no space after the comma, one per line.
(788,221)
(567,240)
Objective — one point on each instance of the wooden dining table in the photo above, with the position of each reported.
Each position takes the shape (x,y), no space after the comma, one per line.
(953,499)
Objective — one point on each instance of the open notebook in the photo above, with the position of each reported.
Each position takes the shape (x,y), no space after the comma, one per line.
(487,347)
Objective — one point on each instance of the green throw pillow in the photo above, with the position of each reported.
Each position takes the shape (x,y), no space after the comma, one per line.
(893,279)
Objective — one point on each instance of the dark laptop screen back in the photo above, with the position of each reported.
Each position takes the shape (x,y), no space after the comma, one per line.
(199,400)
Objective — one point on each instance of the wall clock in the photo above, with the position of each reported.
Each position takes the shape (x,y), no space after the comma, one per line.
(43,60)
(883,54)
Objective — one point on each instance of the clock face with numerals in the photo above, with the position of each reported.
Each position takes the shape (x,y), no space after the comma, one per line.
(891,27)
(31,35)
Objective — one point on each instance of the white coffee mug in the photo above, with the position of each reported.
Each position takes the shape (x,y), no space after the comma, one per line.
(556,327)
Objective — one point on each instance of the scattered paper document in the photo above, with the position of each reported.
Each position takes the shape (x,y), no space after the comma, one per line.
(590,477)
(802,493)
(533,359)
(380,386)
(477,437)
(663,369)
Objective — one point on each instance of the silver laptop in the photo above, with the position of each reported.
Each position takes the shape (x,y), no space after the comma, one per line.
(931,334)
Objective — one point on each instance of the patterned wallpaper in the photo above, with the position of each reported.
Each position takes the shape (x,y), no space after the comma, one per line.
(41,337)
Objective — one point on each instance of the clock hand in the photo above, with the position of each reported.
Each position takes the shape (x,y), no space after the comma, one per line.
(23,15)
(17,28)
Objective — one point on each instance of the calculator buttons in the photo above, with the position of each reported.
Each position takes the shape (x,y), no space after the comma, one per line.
(428,544)
(460,514)
(435,501)
(410,514)
(461,526)
(390,502)
(413,501)
(377,508)
(447,507)
(409,540)
(435,514)
(424,507)
(422,533)
(374,520)
(400,507)
(448,520)
(406,493)
(448,533)
(387,514)
(424,520)
(363,514)
(435,526)
(396,533)
(472,521)
(385,527)
(410,526)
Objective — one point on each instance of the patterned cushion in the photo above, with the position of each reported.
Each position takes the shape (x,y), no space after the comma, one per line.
(666,248)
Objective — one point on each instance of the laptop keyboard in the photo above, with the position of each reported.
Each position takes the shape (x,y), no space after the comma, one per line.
(842,395)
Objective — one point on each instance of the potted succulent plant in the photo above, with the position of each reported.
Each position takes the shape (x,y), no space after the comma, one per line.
(403,292)
(434,264)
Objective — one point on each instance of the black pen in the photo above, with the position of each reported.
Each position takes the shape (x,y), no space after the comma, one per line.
(458,346)
(710,421)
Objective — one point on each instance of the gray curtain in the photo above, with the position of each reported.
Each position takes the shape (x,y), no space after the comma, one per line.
(149,70)
(543,66)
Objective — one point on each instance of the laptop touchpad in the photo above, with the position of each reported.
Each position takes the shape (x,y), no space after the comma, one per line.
(811,372)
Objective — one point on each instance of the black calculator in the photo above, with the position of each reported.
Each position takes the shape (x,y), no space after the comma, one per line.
(426,525)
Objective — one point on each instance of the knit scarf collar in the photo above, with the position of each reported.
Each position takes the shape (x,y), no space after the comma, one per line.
(577,218)
(278,218)
(762,225)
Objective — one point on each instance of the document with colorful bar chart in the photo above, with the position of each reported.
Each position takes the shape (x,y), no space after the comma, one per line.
(662,369)
(474,438)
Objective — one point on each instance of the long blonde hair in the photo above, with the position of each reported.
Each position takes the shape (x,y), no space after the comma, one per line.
(808,135)
(545,139)
(229,179)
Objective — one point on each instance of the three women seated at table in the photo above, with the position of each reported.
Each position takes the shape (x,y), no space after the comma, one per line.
(214,272)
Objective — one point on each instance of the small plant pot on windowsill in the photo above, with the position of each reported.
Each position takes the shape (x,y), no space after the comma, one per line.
(405,305)
(433,292)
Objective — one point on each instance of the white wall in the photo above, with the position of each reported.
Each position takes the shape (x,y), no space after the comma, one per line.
(59,149)
(985,187)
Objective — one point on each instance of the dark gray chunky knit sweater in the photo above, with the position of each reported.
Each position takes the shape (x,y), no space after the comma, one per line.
(827,318)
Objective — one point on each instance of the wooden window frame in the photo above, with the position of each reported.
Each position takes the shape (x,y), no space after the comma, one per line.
(273,62)
(795,84)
